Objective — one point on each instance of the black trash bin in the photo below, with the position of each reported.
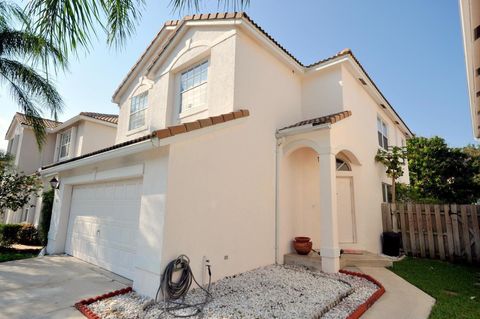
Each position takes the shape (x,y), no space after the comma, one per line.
(391,243)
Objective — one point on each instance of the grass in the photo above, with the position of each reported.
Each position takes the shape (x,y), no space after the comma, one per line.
(8,254)
(455,287)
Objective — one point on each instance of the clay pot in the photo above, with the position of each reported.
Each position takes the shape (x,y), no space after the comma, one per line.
(302,245)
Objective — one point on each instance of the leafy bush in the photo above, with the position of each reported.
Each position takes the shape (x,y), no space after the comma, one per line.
(46,215)
(9,234)
(28,235)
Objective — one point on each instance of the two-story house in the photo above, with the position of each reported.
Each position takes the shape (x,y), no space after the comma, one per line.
(227,147)
(81,134)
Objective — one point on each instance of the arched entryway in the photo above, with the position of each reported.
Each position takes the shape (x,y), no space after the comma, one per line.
(316,199)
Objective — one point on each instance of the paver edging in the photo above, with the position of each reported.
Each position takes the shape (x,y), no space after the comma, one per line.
(82,305)
(371,300)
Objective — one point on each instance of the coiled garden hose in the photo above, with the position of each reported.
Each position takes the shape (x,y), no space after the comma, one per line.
(172,290)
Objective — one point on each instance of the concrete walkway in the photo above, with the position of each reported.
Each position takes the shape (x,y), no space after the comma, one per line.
(401,300)
(48,287)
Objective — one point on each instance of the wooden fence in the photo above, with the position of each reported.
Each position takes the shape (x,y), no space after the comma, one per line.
(448,232)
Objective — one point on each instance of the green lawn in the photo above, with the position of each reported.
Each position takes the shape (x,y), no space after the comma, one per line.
(455,287)
(12,254)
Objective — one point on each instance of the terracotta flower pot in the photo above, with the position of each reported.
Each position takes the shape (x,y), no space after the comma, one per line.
(302,245)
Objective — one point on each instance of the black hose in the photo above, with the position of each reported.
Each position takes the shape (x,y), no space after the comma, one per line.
(174,290)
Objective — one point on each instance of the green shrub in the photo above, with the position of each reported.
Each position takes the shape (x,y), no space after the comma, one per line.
(9,234)
(46,215)
(28,235)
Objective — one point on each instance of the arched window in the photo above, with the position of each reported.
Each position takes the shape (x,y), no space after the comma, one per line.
(342,165)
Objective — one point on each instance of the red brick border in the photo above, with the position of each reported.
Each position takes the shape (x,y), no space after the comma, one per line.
(370,301)
(82,305)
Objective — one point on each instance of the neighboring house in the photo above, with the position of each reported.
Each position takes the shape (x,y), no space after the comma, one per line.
(227,147)
(470,16)
(81,134)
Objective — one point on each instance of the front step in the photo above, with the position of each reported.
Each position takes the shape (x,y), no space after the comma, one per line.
(367,260)
(314,262)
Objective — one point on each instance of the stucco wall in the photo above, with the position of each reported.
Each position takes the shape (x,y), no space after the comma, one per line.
(322,93)
(215,44)
(93,136)
(29,157)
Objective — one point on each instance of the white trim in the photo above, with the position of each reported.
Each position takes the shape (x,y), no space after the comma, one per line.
(302,129)
(126,172)
(137,147)
(77,118)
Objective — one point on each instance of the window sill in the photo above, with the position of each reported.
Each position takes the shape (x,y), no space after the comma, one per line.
(137,130)
(192,111)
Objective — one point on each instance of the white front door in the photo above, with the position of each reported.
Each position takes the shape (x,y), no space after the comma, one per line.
(345,209)
(103,224)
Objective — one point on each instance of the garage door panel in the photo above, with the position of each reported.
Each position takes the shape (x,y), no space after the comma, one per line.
(103,224)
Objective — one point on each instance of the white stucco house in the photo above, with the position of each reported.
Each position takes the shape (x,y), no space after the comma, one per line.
(82,134)
(227,147)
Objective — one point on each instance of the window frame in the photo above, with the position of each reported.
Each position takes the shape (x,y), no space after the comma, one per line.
(130,130)
(198,108)
(386,193)
(382,133)
(60,144)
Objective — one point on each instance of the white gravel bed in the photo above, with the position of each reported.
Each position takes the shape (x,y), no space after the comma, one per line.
(274,291)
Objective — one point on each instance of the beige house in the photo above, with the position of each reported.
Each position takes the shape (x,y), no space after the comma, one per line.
(470,16)
(227,147)
(81,134)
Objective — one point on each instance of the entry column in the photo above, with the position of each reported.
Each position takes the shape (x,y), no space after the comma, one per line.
(329,250)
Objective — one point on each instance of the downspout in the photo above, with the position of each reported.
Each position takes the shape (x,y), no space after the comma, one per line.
(278,158)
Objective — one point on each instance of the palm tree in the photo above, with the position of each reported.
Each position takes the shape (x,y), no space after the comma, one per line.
(70,24)
(21,51)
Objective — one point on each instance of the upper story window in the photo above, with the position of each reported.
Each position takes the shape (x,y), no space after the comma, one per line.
(382,129)
(65,143)
(193,87)
(138,107)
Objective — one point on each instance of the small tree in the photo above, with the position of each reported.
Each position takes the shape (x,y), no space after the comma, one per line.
(15,189)
(394,160)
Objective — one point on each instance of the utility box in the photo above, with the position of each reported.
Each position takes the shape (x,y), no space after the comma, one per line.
(391,243)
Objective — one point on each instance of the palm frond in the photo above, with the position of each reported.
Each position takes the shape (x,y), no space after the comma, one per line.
(29,46)
(71,24)
(194,5)
(122,17)
(33,93)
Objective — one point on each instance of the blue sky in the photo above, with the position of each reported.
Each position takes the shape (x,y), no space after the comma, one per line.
(412,49)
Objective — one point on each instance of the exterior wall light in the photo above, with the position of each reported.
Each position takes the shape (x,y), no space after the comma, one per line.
(54,183)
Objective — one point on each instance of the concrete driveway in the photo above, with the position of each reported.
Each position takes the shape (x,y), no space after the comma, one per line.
(48,287)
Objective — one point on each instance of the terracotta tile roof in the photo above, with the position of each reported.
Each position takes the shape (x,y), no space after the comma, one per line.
(327,119)
(22,119)
(110,118)
(238,15)
(166,132)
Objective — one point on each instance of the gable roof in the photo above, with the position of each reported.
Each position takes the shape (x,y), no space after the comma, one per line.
(174,27)
(178,24)
(110,118)
(23,119)
(327,119)
(165,133)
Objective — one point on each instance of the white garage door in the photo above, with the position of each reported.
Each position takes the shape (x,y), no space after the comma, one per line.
(103,223)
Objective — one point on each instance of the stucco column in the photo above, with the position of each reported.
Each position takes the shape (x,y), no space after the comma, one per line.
(59,222)
(329,249)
